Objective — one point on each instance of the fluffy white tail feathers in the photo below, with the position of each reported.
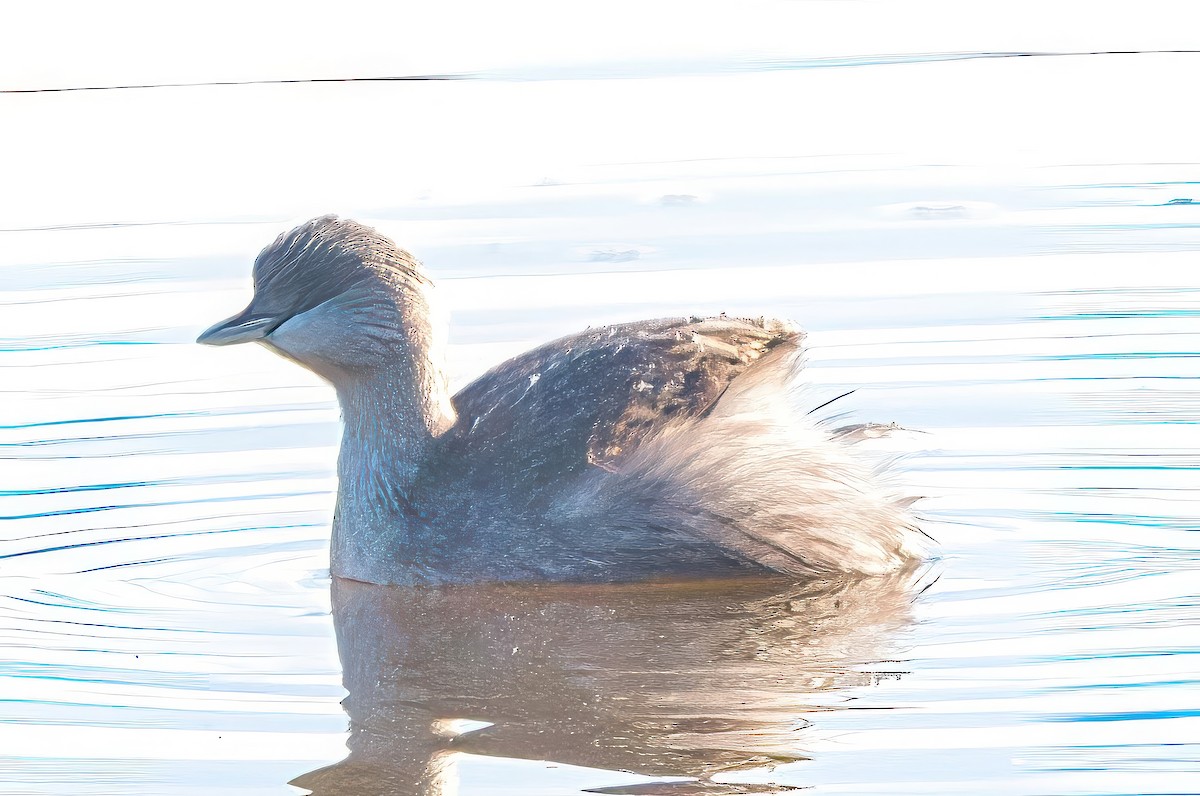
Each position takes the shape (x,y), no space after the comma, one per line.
(765,480)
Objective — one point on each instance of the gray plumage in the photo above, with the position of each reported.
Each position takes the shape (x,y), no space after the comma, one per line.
(671,446)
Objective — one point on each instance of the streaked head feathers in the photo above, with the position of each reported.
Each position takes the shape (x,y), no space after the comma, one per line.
(324,258)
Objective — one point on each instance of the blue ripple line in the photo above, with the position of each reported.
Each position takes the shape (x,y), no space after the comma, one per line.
(94,509)
(138,563)
(83,344)
(61,490)
(1142,184)
(1117,355)
(59,605)
(1120,314)
(185,481)
(1142,684)
(189,682)
(1130,716)
(1122,467)
(204,413)
(1118,655)
(43,423)
(98,542)
(936,57)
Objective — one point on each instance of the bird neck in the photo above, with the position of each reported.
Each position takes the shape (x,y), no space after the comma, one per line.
(391,418)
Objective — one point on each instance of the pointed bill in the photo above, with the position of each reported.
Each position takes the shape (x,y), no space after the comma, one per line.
(245,327)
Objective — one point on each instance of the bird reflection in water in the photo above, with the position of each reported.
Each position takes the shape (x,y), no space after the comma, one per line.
(665,679)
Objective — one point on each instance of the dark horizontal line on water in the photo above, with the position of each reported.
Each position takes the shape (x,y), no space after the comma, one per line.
(1115,467)
(919,58)
(273,82)
(111,627)
(140,562)
(1141,184)
(187,682)
(161,679)
(1146,684)
(166,482)
(1161,522)
(1130,716)
(108,419)
(1101,355)
(9,349)
(1122,655)
(94,509)
(180,630)
(1152,746)
(153,537)
(163,524)
(229,412)
(620,71)
(1112,315)
(73,607)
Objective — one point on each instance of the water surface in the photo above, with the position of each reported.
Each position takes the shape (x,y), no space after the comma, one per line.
(998,254)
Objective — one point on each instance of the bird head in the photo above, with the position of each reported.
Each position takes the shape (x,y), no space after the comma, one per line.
(335,296)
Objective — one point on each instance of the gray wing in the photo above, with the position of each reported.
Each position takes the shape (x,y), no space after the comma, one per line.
(588,400)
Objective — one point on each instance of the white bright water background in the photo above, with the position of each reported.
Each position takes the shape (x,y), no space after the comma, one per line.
(998,251)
